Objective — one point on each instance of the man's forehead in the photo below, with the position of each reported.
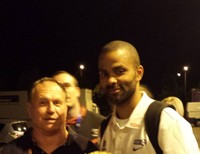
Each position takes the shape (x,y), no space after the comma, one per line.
(113,62)
(64,78)
(48,86)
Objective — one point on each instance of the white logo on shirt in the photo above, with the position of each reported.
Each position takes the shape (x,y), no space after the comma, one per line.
(139,143)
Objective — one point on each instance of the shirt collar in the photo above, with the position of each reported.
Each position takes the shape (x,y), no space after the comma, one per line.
(137,115)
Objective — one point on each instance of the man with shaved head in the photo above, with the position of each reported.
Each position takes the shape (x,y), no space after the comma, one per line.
(120,73)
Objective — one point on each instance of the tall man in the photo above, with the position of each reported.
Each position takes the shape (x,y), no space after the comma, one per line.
(120,74)
(48,110)
(81,120)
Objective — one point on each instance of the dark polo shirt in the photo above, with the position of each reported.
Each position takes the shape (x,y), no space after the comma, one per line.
(75,144)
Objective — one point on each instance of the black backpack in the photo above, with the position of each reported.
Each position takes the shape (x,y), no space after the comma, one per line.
(152,120)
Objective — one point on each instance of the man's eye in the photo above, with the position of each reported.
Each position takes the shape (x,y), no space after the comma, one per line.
(56,102)
(102,74)
(42,103)
(66,85)
(120,71)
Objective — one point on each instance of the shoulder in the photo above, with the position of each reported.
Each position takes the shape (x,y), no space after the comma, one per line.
(84,143)
(175,131)
(95,115)
(17,146)
(172,121)
(11,148)
(169,113)
(20,144)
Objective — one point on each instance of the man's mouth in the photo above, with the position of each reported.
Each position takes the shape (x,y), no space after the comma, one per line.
(68,99)
(113,91)
(50,119)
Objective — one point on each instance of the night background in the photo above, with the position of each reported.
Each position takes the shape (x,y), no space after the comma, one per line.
(39,37)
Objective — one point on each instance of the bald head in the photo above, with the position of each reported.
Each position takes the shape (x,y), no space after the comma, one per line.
(125,48)
(120,72)
(62,76)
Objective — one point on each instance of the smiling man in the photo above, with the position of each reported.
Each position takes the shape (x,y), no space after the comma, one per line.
(47,109)
(120,74)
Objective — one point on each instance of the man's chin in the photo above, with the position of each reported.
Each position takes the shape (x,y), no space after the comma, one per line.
(118,101)
(113,100)
(69,104)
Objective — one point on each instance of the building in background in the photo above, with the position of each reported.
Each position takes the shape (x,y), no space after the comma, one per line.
(86,100)
(13,105)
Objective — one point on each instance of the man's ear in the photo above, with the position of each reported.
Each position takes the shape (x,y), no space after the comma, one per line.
(139,72)
(78,90)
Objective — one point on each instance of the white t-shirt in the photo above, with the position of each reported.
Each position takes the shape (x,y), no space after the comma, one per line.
(175,133)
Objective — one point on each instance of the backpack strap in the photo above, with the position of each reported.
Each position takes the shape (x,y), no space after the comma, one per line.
(104,124)
(152,120)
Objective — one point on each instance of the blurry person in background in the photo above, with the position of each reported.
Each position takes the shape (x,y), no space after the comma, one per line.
(99,98)
(176,102)
(81,120)
(147,90)
(48,110)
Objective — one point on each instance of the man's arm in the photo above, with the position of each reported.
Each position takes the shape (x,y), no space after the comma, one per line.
(175,134)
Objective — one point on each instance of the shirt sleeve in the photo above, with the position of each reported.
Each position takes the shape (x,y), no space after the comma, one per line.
(175,134)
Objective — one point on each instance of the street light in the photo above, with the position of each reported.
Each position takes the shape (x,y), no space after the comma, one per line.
(81,69)
(178,74)
(185,69)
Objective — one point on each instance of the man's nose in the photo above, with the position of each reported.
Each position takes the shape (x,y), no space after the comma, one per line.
(50,107)
(112,79)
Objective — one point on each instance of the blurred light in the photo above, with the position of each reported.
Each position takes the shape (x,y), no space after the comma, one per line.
(19,129)
(82,66)
(185,68)
(178,74)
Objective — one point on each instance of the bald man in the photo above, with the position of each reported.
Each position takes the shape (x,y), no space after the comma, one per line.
(120,75)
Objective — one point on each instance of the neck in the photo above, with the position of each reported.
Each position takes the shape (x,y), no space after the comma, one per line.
(49,142)
(124,111)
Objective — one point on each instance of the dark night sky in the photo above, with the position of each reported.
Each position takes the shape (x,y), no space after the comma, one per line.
(39,37)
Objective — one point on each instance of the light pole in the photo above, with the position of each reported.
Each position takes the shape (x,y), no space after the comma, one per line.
(81,66)
(185,69)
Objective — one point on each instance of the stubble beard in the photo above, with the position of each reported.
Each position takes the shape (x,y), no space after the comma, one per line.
(122,97)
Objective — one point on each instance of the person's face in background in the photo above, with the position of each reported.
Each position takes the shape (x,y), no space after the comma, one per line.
(118,76)
(73,92)
(47,108)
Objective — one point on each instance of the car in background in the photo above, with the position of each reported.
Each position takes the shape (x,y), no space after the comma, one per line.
(193,113)
(11,129)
